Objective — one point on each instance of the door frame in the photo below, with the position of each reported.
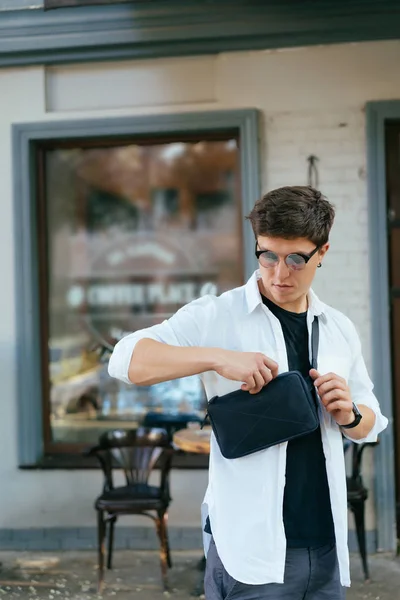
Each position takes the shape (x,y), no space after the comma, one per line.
(377,114)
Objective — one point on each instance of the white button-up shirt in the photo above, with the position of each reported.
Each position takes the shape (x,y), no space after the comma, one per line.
(244,498)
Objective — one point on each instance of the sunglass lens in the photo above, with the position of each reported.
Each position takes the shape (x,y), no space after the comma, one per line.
(269,259)
(295,262)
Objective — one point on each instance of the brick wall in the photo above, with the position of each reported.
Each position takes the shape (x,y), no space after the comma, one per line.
(337,138)
(312,102)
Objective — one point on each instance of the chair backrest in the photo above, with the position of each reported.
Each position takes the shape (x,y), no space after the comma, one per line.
(356,457)
(136,452)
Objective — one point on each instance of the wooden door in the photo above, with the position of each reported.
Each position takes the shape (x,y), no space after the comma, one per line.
(392,139)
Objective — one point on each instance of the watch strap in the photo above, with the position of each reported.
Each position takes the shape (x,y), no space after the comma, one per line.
(358,417)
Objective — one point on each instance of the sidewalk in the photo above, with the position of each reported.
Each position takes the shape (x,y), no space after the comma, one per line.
(72,576)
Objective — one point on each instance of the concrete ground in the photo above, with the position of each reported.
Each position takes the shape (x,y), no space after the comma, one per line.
(72,576)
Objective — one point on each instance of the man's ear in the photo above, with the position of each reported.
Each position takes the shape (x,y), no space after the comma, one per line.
(323,250)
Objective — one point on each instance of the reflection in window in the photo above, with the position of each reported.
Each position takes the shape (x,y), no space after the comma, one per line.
(133,232)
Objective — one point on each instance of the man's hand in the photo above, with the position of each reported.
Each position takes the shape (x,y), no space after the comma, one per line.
(253,368)
(335,396)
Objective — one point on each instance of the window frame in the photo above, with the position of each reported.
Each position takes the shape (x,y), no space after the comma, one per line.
(52,4)
(30,141)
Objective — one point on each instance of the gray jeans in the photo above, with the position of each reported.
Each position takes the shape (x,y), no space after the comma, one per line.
(310,574)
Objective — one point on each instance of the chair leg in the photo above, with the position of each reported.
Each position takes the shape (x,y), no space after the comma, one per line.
(163,551)
(110,541)
(359,517)
(164,524)
(101,534)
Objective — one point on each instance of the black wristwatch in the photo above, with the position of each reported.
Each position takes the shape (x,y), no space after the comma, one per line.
(358,417)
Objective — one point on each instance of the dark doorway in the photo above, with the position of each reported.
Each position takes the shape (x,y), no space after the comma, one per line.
(392,143)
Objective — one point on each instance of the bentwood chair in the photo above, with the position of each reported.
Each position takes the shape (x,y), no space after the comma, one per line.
(136,452)
(357,495)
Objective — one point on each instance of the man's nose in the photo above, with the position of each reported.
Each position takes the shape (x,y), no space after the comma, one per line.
(282,271)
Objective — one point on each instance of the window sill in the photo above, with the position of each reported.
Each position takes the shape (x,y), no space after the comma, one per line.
(181,460)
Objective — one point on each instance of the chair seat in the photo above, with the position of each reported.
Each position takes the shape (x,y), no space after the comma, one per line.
(131,498)
(355,491)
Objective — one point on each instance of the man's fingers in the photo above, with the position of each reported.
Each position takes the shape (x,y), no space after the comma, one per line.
(266,375)
(333,384)
(333,395)
(337,405)
(314,374)
(272,366)
(324,378)
(259,383)
(249,383)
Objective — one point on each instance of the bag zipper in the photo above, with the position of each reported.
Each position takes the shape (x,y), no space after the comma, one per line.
(207,416)
(204,420)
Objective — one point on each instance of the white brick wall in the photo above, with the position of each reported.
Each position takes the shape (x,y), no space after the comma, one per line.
(338,140)
(312,101)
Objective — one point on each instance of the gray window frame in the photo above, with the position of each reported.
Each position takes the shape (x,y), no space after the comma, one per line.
(25,136)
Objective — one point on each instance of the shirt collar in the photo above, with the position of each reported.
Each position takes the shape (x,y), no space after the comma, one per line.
(253,297)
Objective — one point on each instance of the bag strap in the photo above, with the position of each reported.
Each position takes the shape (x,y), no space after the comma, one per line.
(314,343)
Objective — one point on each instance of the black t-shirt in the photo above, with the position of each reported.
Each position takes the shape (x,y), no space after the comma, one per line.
(307,514)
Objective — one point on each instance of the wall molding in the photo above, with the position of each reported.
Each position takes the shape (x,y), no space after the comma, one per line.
(126,537)
(186,27)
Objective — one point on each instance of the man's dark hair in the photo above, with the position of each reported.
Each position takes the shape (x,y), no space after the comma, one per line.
(293,212)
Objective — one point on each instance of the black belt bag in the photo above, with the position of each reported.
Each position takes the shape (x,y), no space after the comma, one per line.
(285,409)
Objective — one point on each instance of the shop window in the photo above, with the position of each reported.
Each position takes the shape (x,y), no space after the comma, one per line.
(129,230)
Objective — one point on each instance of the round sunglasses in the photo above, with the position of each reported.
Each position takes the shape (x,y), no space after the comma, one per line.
(295,261)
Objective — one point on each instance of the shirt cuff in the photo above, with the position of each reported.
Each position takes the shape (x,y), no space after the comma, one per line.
(118,365)
(379,425)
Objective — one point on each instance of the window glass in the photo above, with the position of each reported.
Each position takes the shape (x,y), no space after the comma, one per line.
(133,232)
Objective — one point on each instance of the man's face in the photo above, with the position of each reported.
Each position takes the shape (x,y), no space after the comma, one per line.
(285,286)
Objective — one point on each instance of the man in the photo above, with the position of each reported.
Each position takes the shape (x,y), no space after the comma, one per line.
(276,519)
